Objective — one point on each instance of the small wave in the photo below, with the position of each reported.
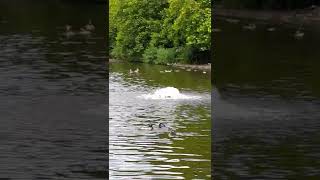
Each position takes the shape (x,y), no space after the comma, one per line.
(168,93)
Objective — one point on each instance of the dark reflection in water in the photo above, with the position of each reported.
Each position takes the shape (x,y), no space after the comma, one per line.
(52,92)
(266,104)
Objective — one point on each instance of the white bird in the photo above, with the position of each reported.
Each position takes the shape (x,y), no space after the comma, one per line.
(250,27)
(130,71)
(68,32)
(216,30)
(137,70)
(90,26)
(299,34)
(83,31)
(167,71)
(204,72)
(233,21)
(271,29)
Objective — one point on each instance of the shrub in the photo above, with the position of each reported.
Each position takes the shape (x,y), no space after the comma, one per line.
(165,55)
(184,54)
(150,55)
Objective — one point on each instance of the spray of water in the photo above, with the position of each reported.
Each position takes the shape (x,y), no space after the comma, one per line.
(168,93)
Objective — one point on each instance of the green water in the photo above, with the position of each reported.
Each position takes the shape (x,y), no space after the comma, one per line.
(136,152)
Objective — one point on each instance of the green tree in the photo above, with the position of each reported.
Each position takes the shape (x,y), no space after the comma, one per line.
(140,27)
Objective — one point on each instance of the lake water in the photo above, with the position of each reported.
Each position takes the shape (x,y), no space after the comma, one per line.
(266,101)
(136,151)
(53,91)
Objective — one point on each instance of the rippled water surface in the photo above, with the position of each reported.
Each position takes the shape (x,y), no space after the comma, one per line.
(266,103)
(52,92)
(136,151)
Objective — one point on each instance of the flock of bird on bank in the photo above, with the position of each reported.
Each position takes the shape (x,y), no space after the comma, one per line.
(165,71)
(299,34)
(86,30)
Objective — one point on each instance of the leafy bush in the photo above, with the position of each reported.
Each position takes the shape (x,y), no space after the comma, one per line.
(150,55)
(165,55)
(184,54)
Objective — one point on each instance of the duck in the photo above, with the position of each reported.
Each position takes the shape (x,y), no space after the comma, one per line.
(204,72)
(271,29)
(83,31)
(90,26)
(130,71)
(233,21)
(216,30)
(167,71)
(151,126)
(299,34)
(136,71)
(163,127)
(171,131)
(250,27)
(68,32)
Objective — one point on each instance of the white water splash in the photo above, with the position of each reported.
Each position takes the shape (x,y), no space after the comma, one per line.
(168,93)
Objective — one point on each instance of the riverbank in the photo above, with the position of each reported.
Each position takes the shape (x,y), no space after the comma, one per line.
(296,17)
(203,67)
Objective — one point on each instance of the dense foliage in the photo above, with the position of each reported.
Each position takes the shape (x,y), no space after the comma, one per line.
(160,31)
(269,4)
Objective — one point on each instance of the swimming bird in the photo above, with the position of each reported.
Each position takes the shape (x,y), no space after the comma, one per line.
(233,21)
(162,125)
(130,71)
(167,71)
(68,32)
(271,29)
(151,126)
(204,72)
(90,26)
(171,131)
(216,30)
(250,27)
(299,34)
(136,71)
(83,31)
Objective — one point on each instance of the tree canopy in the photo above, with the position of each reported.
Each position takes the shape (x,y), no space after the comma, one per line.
(159,31)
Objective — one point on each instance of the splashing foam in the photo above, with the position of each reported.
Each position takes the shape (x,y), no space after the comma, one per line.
(168,93)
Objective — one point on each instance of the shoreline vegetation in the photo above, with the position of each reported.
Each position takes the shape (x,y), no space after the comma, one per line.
(203,67)
(294,12)
(160,31)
